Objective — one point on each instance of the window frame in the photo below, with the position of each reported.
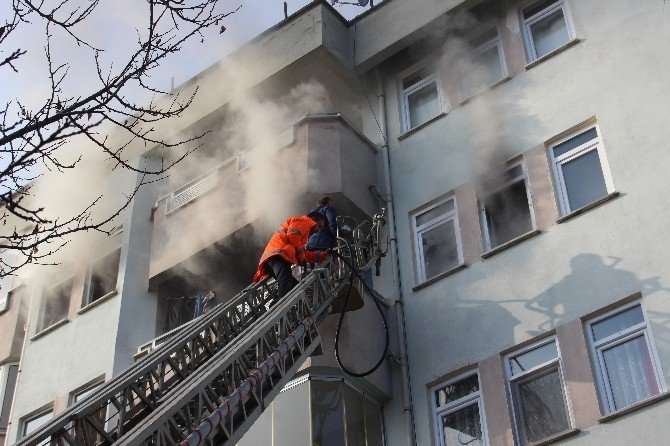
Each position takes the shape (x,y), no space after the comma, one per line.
(513,382)
(486,236)
(406,92)
(40,327)
(526,23)
(493,42)
(89,276)
(454,406)
(32,416)
(596,349)
(432,224)
(573,154)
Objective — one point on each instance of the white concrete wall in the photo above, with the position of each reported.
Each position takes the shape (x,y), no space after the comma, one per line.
(617,75)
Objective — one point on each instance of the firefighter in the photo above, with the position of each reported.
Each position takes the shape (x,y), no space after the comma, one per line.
(287,247)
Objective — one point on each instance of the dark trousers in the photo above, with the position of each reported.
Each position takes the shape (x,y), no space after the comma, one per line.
(280,270)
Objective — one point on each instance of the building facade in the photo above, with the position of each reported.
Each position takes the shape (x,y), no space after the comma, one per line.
(516,146)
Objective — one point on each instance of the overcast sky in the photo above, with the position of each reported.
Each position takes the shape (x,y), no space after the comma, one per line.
(113,26)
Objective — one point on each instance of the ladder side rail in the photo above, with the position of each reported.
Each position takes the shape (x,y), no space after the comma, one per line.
(136,372)
(227,372)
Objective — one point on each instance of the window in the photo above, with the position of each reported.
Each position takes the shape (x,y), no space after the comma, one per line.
(81,395)
(627,365)
(102,277)
(537,391)
(31,424)
(486,66)
(546,27)
(55,304)
(8,374)
(581,171)
(459,413)
(506,208)
(438,243)
(421,97)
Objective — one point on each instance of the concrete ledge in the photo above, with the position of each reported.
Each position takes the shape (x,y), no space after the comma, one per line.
(97,302)
(588,207)
(551,54)
(513,242)
(440,276)
(484,90)
(419,127)
(632,408)
(558,437)
(49,329)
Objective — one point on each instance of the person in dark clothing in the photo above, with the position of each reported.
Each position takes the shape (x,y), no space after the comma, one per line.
(325,238)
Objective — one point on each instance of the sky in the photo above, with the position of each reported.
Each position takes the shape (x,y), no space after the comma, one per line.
(112,28)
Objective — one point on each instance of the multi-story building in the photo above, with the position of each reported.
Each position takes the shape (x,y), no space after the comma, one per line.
(515,145)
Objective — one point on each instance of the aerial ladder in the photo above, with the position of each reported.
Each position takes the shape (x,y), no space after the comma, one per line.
(212,379)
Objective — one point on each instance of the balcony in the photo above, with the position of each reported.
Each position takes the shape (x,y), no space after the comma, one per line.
(210,232)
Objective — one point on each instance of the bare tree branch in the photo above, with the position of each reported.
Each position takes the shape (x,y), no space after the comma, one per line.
(33,139)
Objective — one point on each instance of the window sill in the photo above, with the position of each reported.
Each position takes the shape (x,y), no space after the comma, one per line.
(483,91)
(634,407)
(97,302)
(420,126)
(511,243)
(558,437)
(49,329)
(588,207)
(440,276)
(551,54)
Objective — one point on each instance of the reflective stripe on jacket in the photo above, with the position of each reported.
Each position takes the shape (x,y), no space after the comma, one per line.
(289,243)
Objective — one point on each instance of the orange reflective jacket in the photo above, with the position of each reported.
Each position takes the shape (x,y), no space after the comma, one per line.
(289,242)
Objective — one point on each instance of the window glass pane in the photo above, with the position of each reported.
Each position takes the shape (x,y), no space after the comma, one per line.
(617,323)
(543,409)
(417,76)
(432,214)
(457,390)
(463,427)
(507,214)
(32,424)
(373,424)
(103,276)
(327,414)
(630,372)
(584,180)
(56,303)
(6,403)
(549,33)
(577,141)
(354,417)
(533,358)
(484,71)
(440,252)
(423,105)
(537,7)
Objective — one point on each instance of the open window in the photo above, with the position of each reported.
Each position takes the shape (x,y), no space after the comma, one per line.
(421,97)
(628,370)
(102,277)
(55,304)
(547,26)
(437,240)
(581,170)
(506,209)
(459,413)
(537,391)
(485,67)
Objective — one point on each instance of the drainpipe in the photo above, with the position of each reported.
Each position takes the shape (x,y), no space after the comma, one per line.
(408,409)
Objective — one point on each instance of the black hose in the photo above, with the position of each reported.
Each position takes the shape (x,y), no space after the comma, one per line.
(344,309)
